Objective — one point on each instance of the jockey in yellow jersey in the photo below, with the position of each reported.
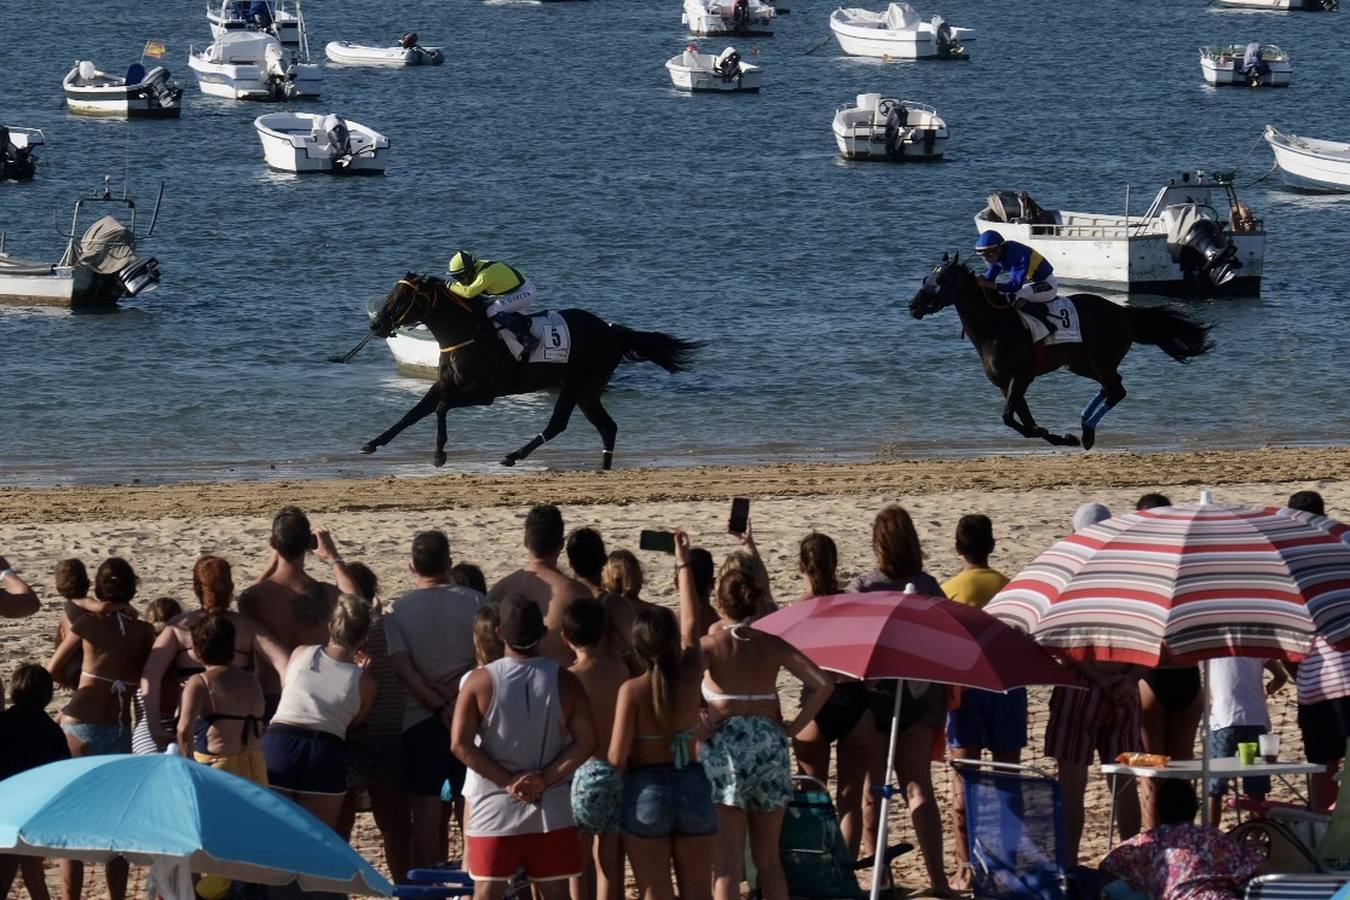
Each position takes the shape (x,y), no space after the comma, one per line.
(506,292)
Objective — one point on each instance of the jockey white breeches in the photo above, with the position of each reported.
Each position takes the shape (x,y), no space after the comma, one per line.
(515,301)
(1038,291)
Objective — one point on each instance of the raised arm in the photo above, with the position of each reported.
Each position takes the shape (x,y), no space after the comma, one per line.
(815,681)
(326,550)
(17,599)
(688,611)
(767,604)
(269,648)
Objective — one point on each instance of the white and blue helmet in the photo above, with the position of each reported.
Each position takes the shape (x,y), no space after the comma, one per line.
(988,240)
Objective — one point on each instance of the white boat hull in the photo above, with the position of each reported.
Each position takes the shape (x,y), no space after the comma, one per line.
(251,81)
(153,97)
(415,351)
(706,19)
(1224,70)
(24,283)
(702,78)
(1280,5)
(874,146)
(291,144)
(1322,166)
(346,53)
(912,45)
(886,128)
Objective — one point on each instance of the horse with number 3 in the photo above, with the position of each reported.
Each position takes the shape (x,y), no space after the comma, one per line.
(476,368)
(1012,361)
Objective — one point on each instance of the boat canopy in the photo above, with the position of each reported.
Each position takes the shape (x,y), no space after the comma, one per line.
(901,16)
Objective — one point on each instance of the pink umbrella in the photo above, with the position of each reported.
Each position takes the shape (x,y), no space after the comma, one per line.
(905,635)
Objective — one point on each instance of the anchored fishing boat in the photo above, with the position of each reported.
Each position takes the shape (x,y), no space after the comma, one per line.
(886,128)
(719,72)
(96,269)
(899,33)
(250,65)
(713,18)
(304,142)
(18,159)
(283,20)
(1310,164)
(1283,5)
(1253,64)
(139,94)
(1196,238)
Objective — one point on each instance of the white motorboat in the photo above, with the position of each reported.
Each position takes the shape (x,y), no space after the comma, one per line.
(899,33)
(713,18)
(1310,164)
(305,142)
(1283,5)
(18,156)
(725,71)
(1195,239)
(877,127)
(137,95)
(282,19)
(96,269)
(415,350)
(1253,64)
(251,65)
(407,53)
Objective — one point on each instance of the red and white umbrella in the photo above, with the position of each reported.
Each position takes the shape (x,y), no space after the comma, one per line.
(1180,584)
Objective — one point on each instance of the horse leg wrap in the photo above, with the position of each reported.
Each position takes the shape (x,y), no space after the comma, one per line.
(1093,412)
(1100,413)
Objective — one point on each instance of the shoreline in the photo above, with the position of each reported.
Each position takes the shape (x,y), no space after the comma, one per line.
(900,476)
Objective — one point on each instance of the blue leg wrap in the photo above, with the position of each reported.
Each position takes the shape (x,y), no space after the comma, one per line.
(1098,414)
(1091,409)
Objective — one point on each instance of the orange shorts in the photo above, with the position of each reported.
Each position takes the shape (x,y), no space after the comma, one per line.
(546,856)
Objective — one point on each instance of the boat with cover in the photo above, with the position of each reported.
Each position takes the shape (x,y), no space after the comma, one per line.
(250,65)
(139,94)
(885,128)
(1283,5)
(713,18)
(283,20)
(407,53)
(305,143)
(1310,164)
(720,72)
(18,159)
(1196,239)
(96,269)
(899,32)
(1253,64)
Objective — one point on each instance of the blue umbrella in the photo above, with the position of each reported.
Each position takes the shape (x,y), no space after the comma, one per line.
(177,817)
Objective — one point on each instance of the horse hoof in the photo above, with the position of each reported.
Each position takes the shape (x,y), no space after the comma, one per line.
(508,461)
(1068,440)
(1089,438)
(368,448)
(438,460)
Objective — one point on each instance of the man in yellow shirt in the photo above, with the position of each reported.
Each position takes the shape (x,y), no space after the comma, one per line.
(506,290)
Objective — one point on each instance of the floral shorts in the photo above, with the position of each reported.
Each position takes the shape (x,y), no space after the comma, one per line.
(747,762)
(597,792)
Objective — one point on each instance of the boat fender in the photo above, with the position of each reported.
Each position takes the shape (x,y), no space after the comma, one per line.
(87,70)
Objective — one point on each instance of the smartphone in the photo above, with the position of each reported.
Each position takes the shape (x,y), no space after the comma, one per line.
(660,541)
(740,515)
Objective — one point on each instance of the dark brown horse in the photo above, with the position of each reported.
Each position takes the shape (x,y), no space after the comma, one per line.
(1012,362)
(476,368)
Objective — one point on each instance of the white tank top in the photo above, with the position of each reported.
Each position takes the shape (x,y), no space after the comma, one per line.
(320,693)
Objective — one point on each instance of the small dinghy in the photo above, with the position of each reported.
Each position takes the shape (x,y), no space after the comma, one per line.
(885,128)
(304,143)
(1310,164)
(18,161)
(407,53)
(714,18)
(1254,64)
(137,95)
(725,71)
(899,33)
(1283,5)
(251,65)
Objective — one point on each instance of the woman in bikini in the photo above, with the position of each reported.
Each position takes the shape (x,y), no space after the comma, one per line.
(667,812)
(222,706)
(746,757)
(97,720)
(172,660)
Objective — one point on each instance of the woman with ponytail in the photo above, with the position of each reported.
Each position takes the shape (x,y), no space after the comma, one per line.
(173,660)
(667,813)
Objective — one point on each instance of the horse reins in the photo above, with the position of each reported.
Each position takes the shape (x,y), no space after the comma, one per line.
(429,300)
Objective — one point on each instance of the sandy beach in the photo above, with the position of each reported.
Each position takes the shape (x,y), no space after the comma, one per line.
(1030,498)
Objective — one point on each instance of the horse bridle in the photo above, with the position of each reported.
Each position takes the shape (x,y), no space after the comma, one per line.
(429,298)
(933,285)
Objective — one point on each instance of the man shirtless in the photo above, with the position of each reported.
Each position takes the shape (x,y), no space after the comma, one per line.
(540,580)
(290,604)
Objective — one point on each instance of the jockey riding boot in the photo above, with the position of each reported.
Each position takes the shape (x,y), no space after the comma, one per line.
(521,326)
(1038,312)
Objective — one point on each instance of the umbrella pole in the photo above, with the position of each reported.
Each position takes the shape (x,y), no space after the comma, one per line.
(883,826)
(1204,747)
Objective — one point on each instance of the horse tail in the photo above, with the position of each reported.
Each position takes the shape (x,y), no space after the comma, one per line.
(670,353)
(1174,332)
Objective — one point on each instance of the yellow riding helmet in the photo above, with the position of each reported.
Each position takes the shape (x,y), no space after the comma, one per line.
(462,263)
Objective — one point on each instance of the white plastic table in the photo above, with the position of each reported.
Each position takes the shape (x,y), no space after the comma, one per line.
(1219,767)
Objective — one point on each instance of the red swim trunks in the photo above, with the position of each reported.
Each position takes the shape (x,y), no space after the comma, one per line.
(546,856)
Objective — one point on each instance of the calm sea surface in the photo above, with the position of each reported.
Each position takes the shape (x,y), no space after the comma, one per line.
(553,139)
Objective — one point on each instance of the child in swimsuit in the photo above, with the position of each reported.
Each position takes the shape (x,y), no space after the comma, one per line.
(221,724)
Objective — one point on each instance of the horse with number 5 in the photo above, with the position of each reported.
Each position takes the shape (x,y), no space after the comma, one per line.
(1012,361)
(476,367)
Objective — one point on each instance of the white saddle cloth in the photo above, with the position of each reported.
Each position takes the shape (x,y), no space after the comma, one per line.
(553,336)
(1064,314)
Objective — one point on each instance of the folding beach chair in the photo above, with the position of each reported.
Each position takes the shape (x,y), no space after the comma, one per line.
(1295,887)
(1015,830)
(437,883)
(815,858)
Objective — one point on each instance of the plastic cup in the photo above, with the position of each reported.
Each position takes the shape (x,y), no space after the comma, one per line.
(1246,752)
(1269,745)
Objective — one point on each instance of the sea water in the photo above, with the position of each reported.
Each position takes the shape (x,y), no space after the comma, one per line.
(553,139)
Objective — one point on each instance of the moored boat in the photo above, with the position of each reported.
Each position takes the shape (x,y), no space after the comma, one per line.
(1253,64)
(886,128)
(713,72)
(1310,164)
(1283,5)
(95,270)
(898,32)
(1196,239)
(18,156)
(407,53)
(284,20)
(305,143)
(712,18)
(250,65)
(139,94)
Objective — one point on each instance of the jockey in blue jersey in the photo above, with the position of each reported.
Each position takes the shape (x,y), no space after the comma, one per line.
(1030,281)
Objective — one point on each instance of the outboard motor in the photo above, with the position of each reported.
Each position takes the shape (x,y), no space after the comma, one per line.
(158,81)
(740,16)
(946,43)
(1196,241)
(728,64)
(408,41)
(339,139)
(281,72)
(141,275)
(895,132)
(16,163)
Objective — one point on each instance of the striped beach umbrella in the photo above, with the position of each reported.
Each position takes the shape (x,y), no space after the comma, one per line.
(1179,584)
